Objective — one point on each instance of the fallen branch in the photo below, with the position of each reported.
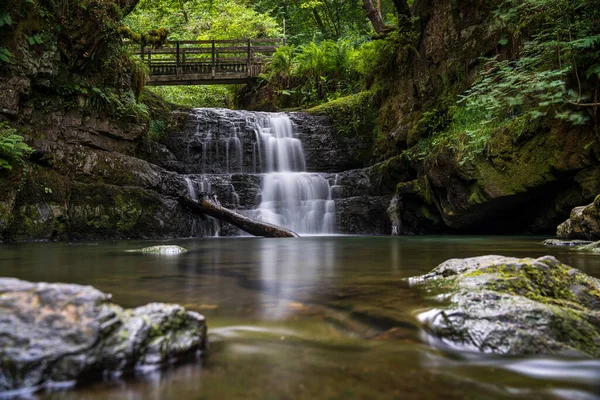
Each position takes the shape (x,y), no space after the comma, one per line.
(215,210)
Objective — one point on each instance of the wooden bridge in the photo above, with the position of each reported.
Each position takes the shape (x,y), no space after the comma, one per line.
(207,62)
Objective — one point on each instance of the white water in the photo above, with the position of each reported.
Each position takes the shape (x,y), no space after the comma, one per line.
(241,142)
(292,198)
(213,225)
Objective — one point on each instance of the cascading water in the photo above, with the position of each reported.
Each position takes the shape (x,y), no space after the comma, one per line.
(261,155)
(291,198)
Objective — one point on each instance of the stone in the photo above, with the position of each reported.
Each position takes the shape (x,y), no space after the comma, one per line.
(583,223)
(163,249)
(54,333)
(564,243)
(513,306)
(12,89)
(593,247)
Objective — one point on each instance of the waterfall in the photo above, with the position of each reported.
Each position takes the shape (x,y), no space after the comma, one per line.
(191,189)
(291,197)
(255,163)
(211,228)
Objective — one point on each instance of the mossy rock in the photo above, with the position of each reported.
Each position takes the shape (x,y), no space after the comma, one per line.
(514,306)
(583,223)
(591,247)
(162,249)
(565,243)
(79,334)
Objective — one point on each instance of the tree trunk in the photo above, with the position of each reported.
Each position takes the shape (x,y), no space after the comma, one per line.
(256,228)
(402,8)
(374,17)
(127,6)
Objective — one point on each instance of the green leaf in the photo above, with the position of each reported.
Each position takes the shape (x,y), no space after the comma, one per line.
(5,19)
(593,70)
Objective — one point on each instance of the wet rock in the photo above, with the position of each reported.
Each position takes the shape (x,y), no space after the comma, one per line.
(12,89)
(564,243)
(584,223)
(591,248)
(328,151)
(59,333)
(163,249)
(513,306)
(362,215)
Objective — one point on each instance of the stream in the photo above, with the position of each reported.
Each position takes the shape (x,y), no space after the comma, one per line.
(328,317)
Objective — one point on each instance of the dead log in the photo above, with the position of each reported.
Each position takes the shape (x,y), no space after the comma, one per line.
(257,228)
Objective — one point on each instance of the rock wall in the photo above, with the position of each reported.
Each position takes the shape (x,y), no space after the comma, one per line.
(523,181)
(217,151)
(93,178)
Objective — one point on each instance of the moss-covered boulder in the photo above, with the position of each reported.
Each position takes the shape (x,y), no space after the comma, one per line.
(593,247)
(513,306)
(584,223)
(60,333)
(161,249)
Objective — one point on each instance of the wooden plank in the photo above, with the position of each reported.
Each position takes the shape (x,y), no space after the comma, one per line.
(268,40)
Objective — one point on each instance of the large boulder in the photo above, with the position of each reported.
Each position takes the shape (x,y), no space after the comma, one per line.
(53,333)
(514,306)
(584,223)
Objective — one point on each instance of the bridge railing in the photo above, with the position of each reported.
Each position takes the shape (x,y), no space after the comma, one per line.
(209,57)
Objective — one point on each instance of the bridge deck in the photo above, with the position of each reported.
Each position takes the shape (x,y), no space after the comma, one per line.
(208,62)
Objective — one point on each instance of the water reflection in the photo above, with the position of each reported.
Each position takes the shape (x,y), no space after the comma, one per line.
(315,317)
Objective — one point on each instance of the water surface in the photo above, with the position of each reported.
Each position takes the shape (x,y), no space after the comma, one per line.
(327,317)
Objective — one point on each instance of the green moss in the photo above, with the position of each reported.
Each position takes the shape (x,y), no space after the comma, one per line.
(353,115)
(477,196)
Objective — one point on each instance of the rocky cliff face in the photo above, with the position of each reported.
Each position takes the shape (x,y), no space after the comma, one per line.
(94,178)
(524,180)
(219,151)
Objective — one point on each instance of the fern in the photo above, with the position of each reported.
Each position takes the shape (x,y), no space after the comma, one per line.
(12,148)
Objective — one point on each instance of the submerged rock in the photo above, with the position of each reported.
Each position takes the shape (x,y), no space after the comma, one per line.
(564,243)
(514,306)
(593,247)
(162,249)
(584,223)
(58,333)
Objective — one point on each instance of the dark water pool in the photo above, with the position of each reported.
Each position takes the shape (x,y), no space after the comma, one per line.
(324,317)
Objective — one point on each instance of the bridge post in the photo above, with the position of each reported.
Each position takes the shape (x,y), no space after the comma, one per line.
(214,66)
(249,60)
(177,62)
(142,52)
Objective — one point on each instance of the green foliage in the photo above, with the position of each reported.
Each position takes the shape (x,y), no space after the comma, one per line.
(139,75)
(35,39)
(12,148)
(202,19)
(5,55)
(554,74)
(120,106)
(198,96)
(316,72)
(552,71)
(353,115)
(319,20)
(5,18)
(156,130)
